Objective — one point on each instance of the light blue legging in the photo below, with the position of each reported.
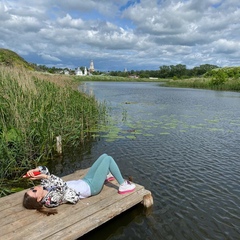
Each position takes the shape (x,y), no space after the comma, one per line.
(97,174)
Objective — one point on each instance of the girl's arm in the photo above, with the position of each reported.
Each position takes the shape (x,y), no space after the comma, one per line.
(53,181)
(38,173)
(47,180)
(59,192)
(44,170)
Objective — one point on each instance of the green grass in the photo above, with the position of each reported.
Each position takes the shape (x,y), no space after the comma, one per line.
(34,110)
(11,59)
(108,78)
(229,84)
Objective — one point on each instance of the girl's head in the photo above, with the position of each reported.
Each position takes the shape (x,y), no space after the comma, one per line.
(32,200)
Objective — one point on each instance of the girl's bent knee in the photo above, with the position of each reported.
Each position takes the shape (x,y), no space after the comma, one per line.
(104,155)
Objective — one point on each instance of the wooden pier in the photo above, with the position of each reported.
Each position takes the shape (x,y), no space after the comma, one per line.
(72,221)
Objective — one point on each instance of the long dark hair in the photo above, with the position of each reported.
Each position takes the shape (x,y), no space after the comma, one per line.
(32,203)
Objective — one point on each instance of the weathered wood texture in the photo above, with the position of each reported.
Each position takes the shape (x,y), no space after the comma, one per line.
(72,221)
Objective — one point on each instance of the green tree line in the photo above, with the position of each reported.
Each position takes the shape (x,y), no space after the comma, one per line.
(173,71)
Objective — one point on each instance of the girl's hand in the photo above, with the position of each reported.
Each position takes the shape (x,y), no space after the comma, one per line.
(38,177)
(35,174)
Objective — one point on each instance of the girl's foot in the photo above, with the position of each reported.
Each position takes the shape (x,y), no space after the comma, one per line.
(126,187)
(109,177)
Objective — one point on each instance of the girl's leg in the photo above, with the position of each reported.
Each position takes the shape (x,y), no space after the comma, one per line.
(94,167)
(98,172)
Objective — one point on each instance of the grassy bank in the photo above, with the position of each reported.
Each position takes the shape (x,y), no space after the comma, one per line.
(107,78)
(225,79)
(228,84)
(34,110)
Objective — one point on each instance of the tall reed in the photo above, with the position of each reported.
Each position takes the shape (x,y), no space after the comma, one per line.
(34,109)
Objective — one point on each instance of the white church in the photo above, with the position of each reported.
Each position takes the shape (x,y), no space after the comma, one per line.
(79,72)
(85,72)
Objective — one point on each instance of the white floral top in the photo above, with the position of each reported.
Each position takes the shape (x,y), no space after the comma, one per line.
(58,191)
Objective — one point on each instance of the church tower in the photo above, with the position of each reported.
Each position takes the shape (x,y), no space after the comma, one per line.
(91,68)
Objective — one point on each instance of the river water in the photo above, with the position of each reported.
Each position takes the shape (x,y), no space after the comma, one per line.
(181,144)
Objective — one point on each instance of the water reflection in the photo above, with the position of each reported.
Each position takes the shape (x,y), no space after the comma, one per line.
(182,145)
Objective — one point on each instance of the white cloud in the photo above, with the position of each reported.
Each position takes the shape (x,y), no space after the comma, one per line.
(69,22)
(225,46)
(143,34)
(49,57)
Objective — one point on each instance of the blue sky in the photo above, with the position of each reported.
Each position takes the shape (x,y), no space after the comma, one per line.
(119,34)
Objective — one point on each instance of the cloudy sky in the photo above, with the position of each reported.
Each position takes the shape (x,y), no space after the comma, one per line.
(118,34)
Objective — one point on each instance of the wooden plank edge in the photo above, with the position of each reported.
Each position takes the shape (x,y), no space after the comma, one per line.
(27,218)
(13,216)
(43,226)
(81,228)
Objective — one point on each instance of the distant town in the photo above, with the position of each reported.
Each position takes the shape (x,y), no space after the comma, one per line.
(82,71)
(178,71)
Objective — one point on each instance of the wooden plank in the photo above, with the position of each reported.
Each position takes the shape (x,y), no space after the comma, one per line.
(72,221)
(7,201)
(29,216)
(31,213)
(67,216)
(96,219)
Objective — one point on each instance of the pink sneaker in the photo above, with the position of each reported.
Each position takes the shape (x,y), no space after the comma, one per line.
(109,177)
(126,187)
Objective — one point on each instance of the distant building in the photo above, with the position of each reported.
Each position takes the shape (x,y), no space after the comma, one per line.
(133,76)
(78,72)
(85,71)
(91,68)
(66,72)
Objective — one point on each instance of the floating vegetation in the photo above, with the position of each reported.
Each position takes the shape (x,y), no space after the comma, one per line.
(148,135)
(131,120)
(215,129)
(212,120)
(131,137)
(196,127)
(237,124)
(132,127)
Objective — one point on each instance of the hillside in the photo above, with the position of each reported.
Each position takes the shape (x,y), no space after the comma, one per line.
(12,59)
